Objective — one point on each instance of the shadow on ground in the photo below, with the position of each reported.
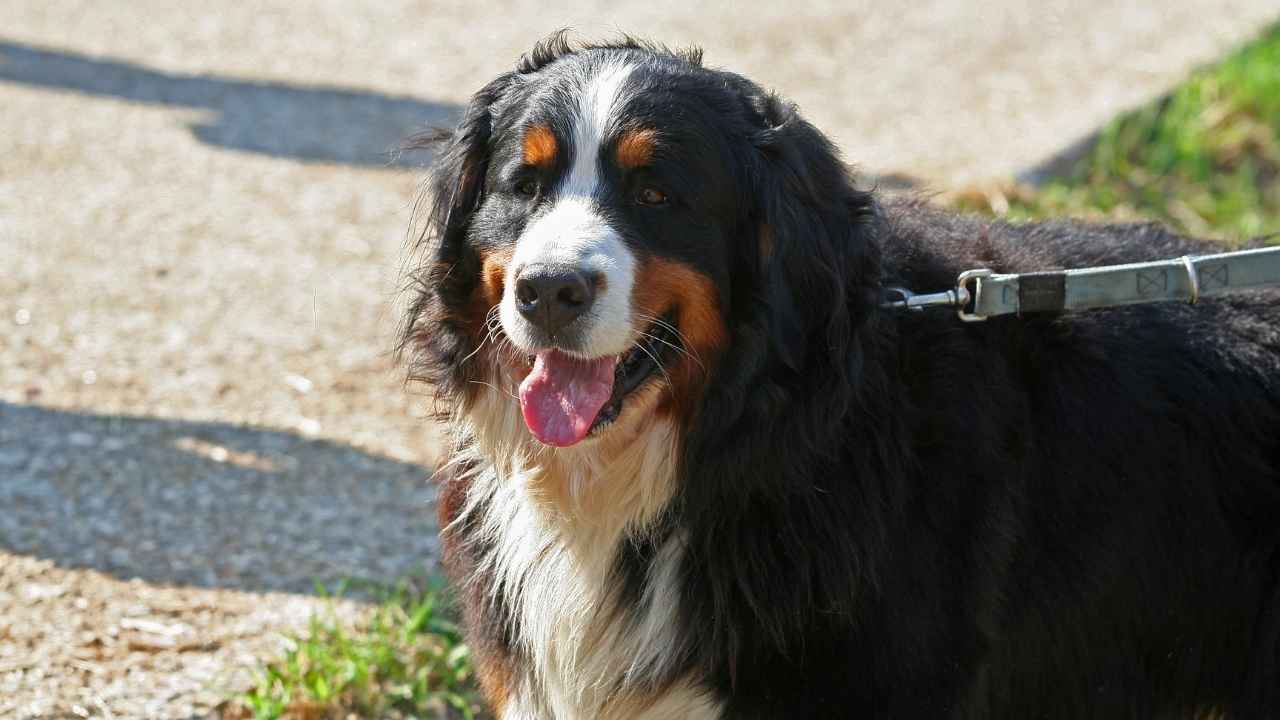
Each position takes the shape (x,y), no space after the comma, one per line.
(326,124)
(207,504)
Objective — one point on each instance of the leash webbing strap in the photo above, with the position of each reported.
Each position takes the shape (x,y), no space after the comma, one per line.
(981,294)
(1185,279)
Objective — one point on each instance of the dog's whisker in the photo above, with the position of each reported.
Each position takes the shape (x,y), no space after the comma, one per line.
(658,363)
(492,329)
(473,353)
(494,334)
(684,347)
(504,348)
(678,350)
(491,386)
(492,321)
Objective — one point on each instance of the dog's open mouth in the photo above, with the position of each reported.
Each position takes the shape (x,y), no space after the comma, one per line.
(564,399)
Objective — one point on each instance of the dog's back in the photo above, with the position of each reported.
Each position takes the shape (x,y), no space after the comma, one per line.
(1106,484)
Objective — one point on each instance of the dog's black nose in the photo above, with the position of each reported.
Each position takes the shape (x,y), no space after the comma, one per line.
(552,296)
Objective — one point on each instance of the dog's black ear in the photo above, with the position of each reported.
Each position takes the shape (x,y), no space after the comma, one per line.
(443,269)
(817,262)
(456,182)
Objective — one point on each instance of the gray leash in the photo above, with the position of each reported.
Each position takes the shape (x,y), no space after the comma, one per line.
(981,294)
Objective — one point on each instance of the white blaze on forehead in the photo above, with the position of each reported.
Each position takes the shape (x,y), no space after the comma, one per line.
(575,233)
(598,104)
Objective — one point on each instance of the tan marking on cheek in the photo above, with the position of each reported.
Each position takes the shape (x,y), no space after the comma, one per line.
(493,275)
(635,148)
(766,245)
(540,147)
(666,285)
(488,292)
(487,296)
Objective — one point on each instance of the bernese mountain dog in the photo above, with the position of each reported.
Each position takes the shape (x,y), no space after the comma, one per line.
(698,470)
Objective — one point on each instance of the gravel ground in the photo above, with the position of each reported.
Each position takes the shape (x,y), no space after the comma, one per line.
(200,240)
(76,644)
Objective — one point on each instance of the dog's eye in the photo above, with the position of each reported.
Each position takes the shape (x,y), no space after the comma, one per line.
(527,187)
(651,196)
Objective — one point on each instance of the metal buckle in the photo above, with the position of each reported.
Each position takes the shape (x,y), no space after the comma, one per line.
(962,287)
(1193,278)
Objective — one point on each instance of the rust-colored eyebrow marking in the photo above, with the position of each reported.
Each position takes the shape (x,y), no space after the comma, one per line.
(540,146)
(635,148)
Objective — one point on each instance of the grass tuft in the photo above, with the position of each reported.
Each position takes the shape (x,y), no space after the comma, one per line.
(1205,159)
(405,660)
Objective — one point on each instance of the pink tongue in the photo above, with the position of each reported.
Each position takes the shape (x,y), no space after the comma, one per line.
(562,396)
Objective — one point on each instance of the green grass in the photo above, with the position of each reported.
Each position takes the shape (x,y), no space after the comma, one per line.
(406,660)
(1205,159)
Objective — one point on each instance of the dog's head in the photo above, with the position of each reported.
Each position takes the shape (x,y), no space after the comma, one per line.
(617,229)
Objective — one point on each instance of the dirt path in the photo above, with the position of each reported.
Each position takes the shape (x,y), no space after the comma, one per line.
(199,255)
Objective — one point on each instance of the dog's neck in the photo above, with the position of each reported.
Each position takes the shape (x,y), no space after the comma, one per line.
(552,524)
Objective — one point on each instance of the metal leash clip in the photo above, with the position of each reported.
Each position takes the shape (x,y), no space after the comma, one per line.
(907,300)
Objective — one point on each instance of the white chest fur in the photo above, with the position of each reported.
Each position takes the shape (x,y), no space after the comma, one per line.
(553,521)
